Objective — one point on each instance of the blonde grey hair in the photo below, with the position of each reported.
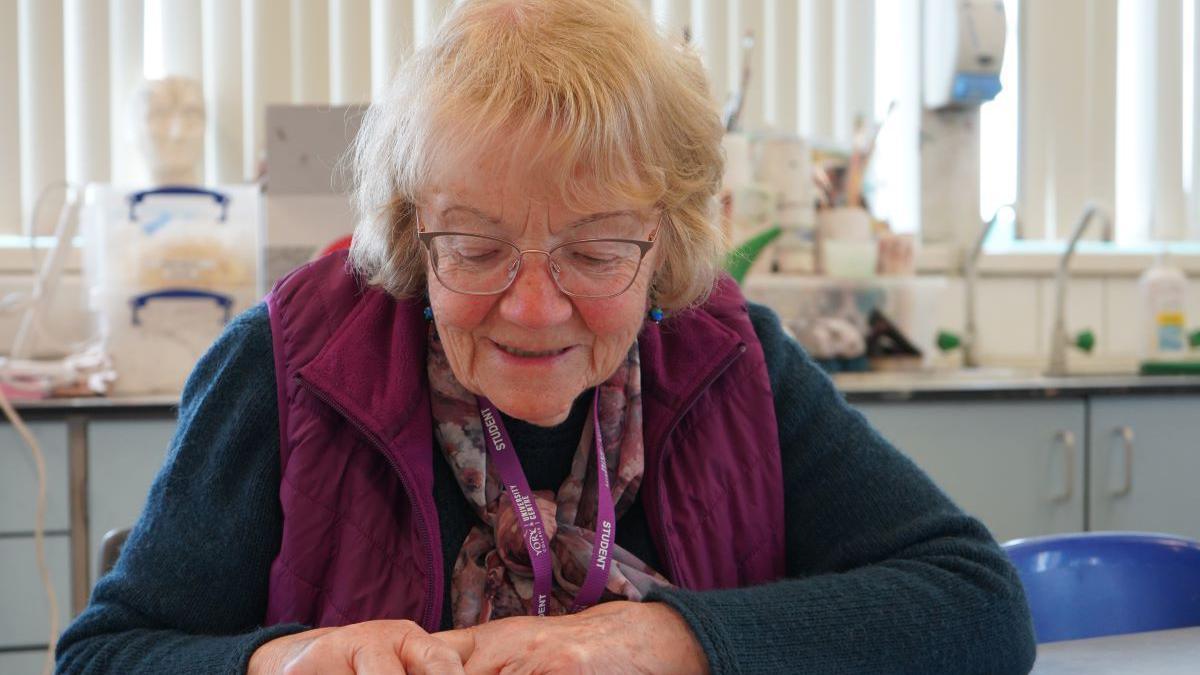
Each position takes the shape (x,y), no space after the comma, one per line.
(621,112)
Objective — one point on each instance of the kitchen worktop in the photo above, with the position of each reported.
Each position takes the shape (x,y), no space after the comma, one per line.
(1003,383)
(874,386)
(98,405)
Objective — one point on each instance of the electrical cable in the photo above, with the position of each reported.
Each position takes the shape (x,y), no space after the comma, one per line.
(39,525)
(35,449)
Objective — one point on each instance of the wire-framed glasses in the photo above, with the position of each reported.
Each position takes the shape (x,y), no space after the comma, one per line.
(481,264)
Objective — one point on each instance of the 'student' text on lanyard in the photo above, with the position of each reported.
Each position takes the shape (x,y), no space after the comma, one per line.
(537,543)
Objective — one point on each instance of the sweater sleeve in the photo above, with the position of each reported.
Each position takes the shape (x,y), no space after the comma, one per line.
(189,592)
(885,573)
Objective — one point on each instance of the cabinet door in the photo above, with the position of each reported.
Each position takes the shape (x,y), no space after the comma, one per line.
(1145,464)
(24,662)
(1015,465)
(18,478)
(24,615)
(124,456)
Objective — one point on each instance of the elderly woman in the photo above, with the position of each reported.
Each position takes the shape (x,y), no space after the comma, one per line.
(526,426)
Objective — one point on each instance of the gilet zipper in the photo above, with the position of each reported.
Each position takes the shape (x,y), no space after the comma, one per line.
(672,563)
(422,524)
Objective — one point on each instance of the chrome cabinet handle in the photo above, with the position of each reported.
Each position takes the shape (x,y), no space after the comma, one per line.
(1125,433)
(1066,438)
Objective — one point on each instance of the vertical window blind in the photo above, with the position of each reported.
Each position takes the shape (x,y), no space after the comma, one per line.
(77,63)
(1106,106)
(1106,115)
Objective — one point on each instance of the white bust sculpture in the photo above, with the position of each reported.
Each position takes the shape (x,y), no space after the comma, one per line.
(167,123)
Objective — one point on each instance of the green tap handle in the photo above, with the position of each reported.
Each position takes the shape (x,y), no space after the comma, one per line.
(1085,341)
(947,341)
(1194,339)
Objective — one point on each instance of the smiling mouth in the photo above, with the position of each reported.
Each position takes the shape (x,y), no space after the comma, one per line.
(527,353)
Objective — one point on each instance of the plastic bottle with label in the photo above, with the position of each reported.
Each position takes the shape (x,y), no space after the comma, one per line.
(1163,291)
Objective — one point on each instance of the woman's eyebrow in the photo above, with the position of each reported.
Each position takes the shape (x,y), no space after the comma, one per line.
(582,221)
(602,215)
(472,210)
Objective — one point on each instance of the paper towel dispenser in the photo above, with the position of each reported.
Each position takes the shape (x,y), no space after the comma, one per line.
(964,51)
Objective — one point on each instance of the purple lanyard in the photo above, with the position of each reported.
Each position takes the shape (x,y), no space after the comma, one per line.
(501,449)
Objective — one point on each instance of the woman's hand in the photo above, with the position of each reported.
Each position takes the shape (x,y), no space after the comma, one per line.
(625,637)
(368,647)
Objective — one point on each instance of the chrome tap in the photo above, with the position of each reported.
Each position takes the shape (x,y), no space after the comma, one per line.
(970,272)
(1059,339)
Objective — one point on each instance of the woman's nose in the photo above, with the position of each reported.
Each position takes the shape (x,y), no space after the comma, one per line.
(534,300)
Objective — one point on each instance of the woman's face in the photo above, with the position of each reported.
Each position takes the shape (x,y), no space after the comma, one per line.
(532,349)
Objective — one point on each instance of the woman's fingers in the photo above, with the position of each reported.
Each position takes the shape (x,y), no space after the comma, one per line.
(510,644)
(376,657)
(612,637)
(462,641)
(423,654)
(371,648)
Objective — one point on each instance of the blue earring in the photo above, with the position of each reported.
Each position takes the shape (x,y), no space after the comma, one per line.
(656,314)
(428,311)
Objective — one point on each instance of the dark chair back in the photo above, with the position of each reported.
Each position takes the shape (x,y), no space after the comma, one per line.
(110,548)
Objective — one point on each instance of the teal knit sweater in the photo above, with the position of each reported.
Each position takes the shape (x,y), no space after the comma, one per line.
(886,575)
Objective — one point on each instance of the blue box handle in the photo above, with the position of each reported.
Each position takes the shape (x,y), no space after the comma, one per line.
(136,198)
(137,302)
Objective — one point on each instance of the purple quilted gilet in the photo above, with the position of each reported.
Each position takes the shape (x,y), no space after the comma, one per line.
(360,531)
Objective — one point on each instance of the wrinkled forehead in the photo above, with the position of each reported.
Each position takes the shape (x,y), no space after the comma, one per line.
(524,175)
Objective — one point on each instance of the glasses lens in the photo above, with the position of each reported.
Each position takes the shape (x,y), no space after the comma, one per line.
(596,268)
(473,264)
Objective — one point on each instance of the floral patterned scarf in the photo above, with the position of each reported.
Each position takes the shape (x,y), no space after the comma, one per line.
(493,578)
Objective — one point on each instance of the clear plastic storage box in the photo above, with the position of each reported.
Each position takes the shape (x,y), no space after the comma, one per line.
(166,269)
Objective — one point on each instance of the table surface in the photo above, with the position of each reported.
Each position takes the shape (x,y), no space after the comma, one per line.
(1159,652)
